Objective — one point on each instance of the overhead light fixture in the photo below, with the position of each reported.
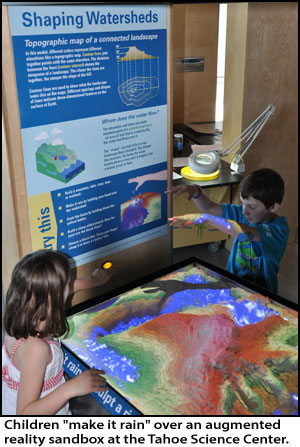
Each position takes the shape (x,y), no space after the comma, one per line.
(207,163)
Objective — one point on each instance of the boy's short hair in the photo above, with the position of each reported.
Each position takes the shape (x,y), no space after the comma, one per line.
(265,185)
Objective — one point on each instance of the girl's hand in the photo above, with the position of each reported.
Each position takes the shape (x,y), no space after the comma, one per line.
(100,276)
(90,381)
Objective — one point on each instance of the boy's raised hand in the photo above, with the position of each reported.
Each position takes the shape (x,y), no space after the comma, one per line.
(188,190)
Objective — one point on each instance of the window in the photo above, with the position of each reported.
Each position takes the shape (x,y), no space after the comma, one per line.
(221,62)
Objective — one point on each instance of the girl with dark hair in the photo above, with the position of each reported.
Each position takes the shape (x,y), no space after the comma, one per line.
(32,359)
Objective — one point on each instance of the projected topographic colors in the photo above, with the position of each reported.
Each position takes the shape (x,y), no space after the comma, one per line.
(193,343)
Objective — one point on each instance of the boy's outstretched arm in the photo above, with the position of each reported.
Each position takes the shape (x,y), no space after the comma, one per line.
(194,193)
(235,229)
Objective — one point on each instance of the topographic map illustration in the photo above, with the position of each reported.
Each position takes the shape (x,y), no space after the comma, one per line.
(58,162)
(138,76)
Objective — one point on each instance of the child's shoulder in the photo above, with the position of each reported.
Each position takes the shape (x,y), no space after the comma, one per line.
(10,343)
(28,347)
(280,220)
(36,344)
(279,223)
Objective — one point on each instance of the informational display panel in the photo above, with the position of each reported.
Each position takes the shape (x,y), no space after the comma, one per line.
(194,341)
(92,92)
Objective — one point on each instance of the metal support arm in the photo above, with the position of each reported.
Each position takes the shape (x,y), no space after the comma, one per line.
(249,135)
(207,162)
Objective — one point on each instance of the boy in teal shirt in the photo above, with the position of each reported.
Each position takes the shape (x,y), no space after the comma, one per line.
(260,234)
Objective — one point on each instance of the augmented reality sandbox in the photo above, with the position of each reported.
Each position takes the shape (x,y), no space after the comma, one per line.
(193,342)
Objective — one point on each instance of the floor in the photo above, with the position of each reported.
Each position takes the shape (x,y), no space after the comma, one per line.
(288,273)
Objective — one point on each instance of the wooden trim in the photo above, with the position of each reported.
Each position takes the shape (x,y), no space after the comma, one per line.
(234,81)
(12,129)
(170,111)
(195,34)
(10,240)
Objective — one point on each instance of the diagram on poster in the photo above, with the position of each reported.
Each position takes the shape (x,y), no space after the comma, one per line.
(55,159)
(141,73)
(140,210)
(93,106)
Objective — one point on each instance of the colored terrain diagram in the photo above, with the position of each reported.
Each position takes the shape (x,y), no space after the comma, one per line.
(138,76)
(193,343)
(140,210)
(58,162)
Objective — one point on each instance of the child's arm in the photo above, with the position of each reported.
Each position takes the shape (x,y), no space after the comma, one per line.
(200,200)
(34,359)
(97,278)
(236,229)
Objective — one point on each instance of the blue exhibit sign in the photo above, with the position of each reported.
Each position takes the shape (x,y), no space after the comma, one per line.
(109,399)
(75,79)
(92,92)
